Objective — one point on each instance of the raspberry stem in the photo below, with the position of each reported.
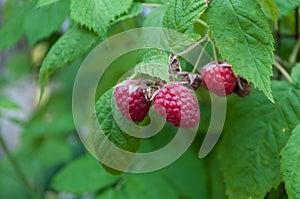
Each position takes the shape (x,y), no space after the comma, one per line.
(199,57)
(283,71)
(191,47)
(214,48)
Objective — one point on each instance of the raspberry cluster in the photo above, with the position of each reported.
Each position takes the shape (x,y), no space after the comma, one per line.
(176,102)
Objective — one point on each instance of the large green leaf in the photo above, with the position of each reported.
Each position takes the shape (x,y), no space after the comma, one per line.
(148,186)
(180,15)
(296,75)
(134,11)
(155,64)
(256,131)
(243,37)
(111,134)
(290,164)
(155,18)
(83,175)
(186,171)
(12,30)
(287,6)
(271,8)
(98,15)
(41,22)
(73,44)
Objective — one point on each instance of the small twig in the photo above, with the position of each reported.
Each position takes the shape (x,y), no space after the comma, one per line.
(17,168)
(191,47)
(283,71)
(151,4)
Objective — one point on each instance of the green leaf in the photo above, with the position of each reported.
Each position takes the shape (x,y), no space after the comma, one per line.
(7,103)
(180,15)
(83,175)
(243,37)
(111,134)
(98,15)
(290,164)
(194,174)
(139,186)
(112,194)
(255,132)
(40,23)
(271,8)
(287,6)
(296,75)
(155,18)
(134,11)
(59,147)
(12,30)
(42,3)
(154,64)
(74,43)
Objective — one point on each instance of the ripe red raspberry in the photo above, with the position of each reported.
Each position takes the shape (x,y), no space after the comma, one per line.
(219,78)
(131,101)
(178,105)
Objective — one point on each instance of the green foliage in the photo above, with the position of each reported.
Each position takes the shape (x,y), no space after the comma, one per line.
(243,37)
(155,64)
(37,25)
(290,166)
(287,6)
(81,176)
(12,30)
(271,8)
(256,130)
(42,3)
(155,18)
(180,15)
(296,75)
(111,134)
(6,103)
(258,156)
(73,44)
(98,15)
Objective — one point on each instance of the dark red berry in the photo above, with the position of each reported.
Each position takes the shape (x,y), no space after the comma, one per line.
(178,105)
(131,101)
(219,78)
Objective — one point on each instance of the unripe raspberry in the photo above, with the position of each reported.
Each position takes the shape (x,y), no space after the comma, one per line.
(131,101)
(219,78)
(178,105)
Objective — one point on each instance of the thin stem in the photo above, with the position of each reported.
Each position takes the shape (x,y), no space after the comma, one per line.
(214,49)
(191,47)
(282,61)
(294,54)
(283,71)
(17,168)
(203,23)
(151,4)
(199,57)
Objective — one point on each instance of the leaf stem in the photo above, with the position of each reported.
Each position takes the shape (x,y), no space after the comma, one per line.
(283,71)
(151,4)
(191,47)
(16,167)
(294,54)
(214,49)
(203,23)
(199,57)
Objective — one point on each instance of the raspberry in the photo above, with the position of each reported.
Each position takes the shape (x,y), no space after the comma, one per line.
(219,78)
(178,105)
(131,101)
